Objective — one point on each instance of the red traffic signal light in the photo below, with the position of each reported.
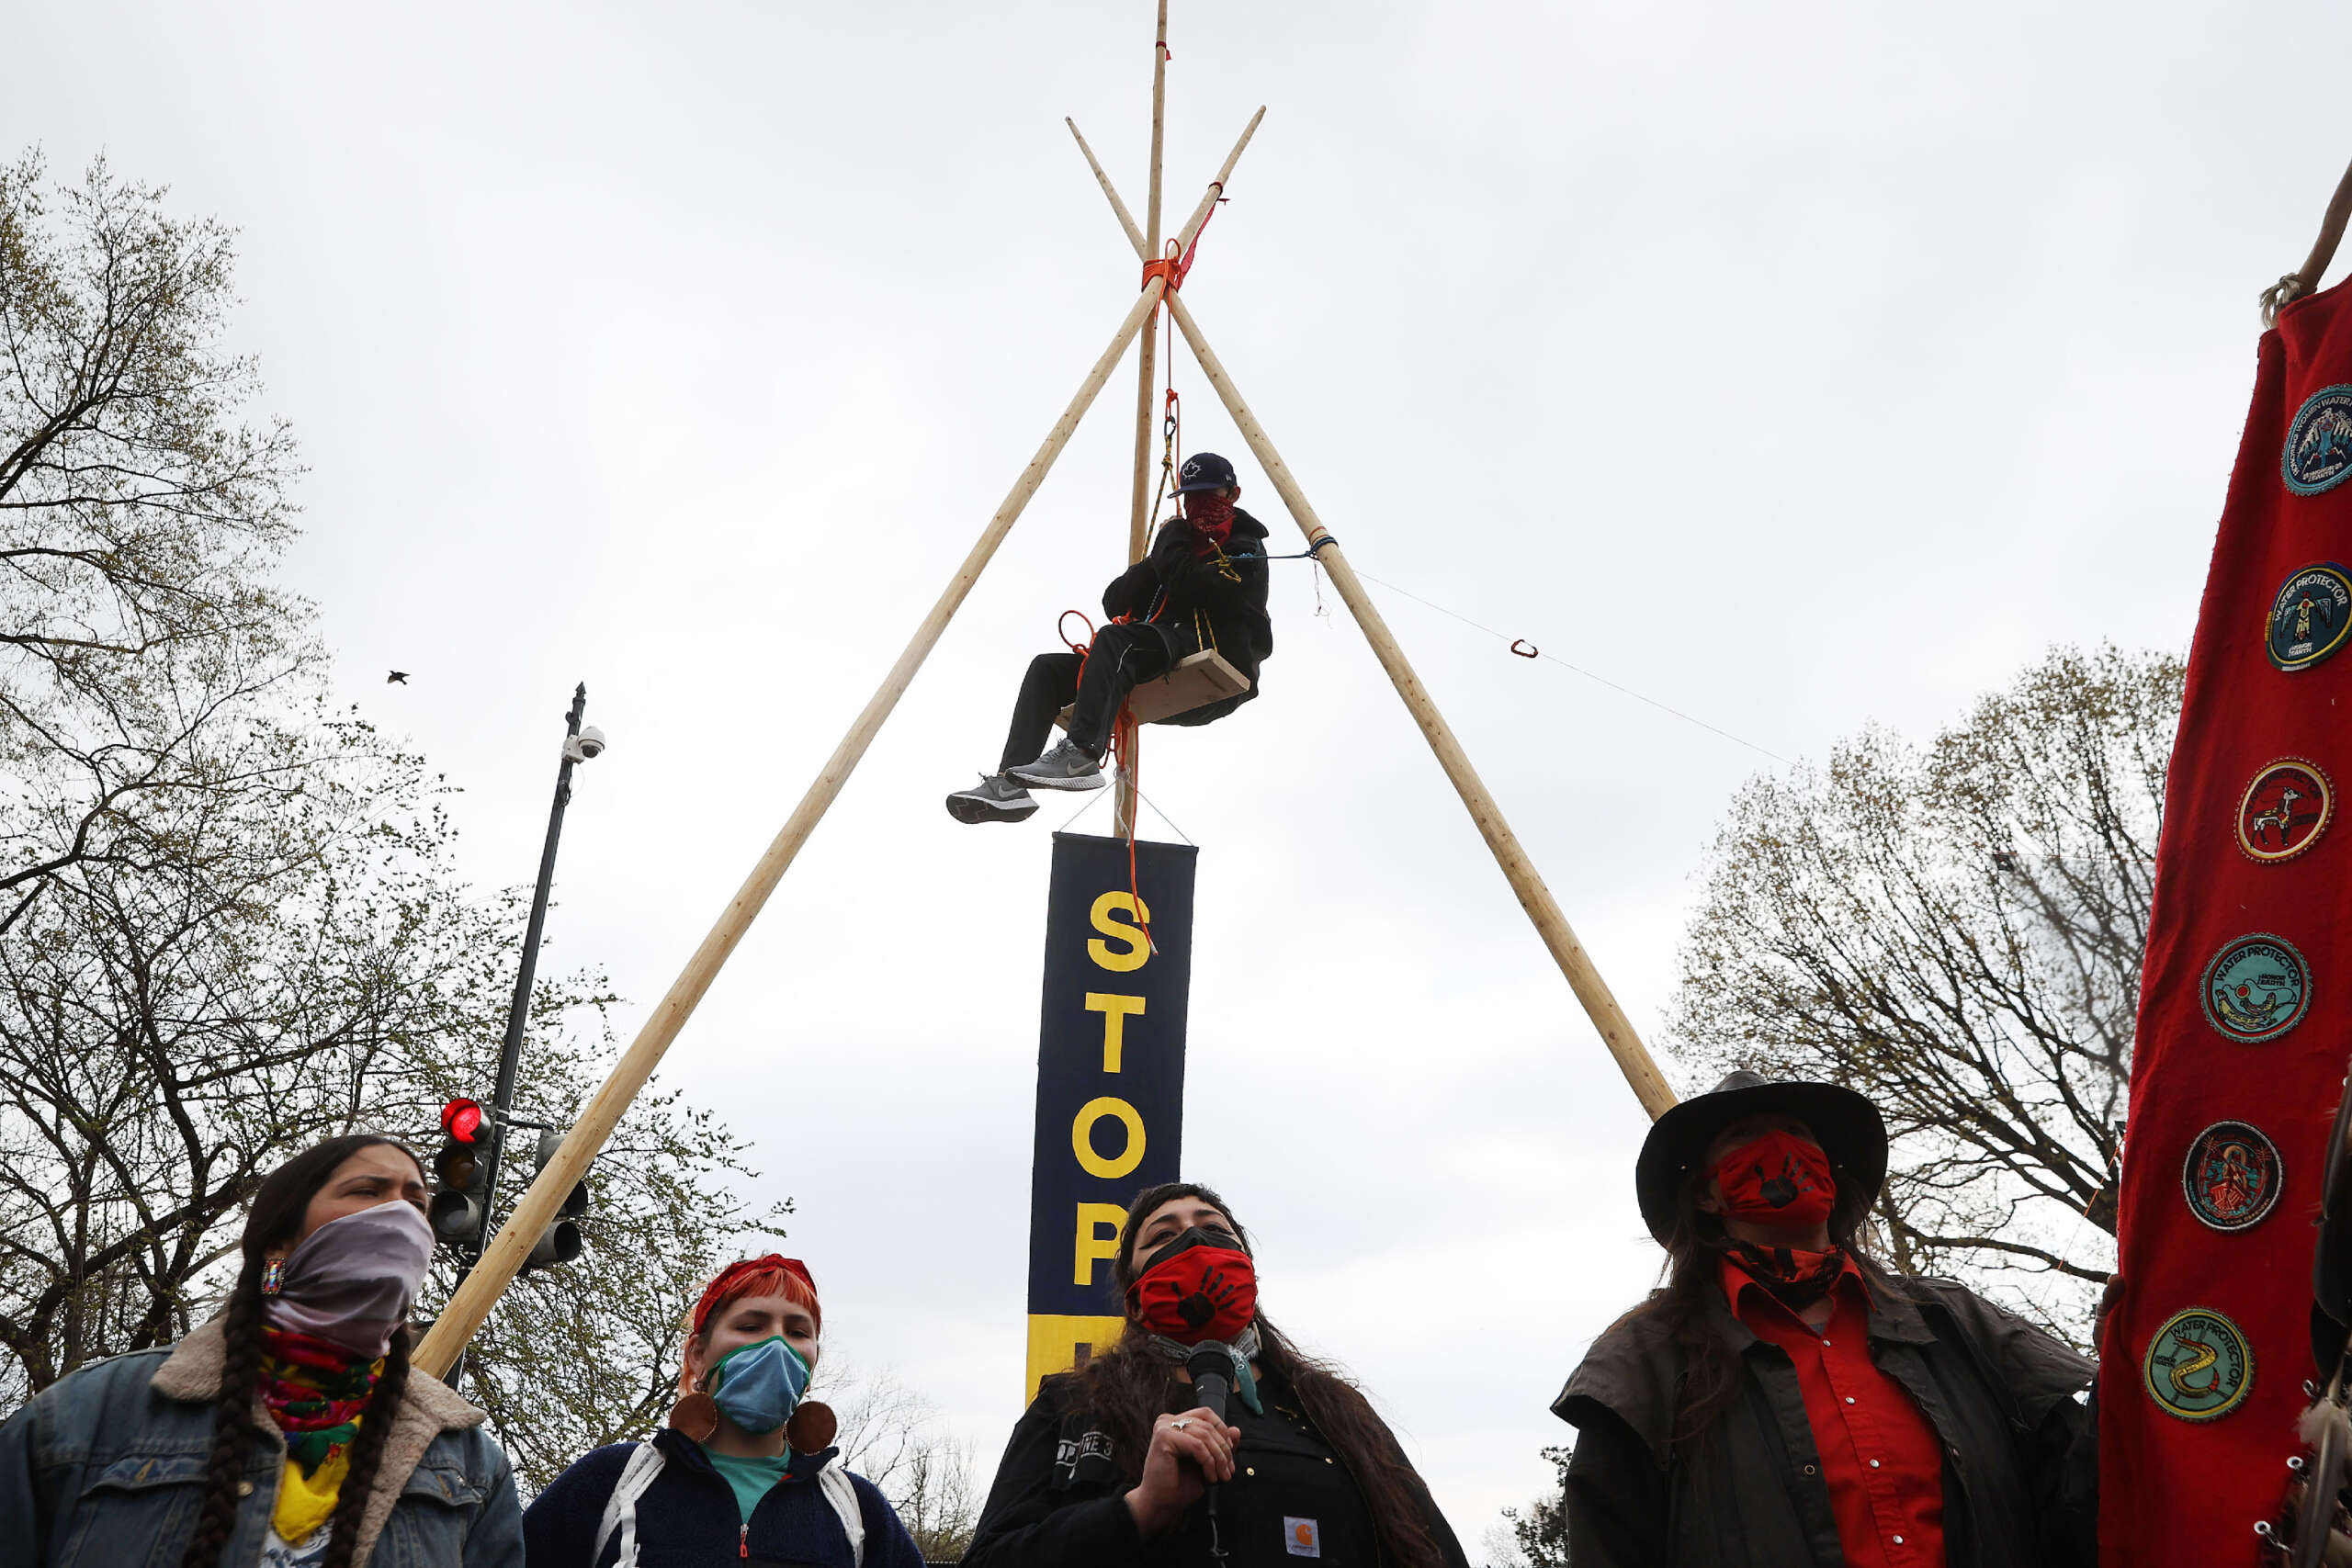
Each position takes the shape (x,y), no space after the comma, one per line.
(462,1120)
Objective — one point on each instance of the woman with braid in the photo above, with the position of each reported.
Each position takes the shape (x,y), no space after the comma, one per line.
(289,1432)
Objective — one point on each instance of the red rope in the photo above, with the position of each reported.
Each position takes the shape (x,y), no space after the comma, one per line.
(1174,268)
(1125,754)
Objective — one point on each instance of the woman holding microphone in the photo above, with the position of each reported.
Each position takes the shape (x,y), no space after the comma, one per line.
(1121,1462)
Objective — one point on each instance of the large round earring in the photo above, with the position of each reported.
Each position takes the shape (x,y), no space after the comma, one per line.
(812,1427)
(273,1277)
(695,1415)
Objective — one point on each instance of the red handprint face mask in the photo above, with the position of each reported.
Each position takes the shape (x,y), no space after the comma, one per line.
(1776,1179)
(1202,1287)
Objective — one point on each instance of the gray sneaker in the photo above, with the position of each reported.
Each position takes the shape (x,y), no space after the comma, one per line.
(995,798)
(1064,767)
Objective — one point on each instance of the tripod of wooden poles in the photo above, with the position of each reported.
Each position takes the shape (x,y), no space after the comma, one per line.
(488,1281)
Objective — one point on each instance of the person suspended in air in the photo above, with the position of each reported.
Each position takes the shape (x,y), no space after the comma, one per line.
(1202,586)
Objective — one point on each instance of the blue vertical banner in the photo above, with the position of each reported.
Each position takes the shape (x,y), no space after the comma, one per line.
(1110,1077)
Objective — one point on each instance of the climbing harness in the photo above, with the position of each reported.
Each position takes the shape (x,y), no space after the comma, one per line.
(1125,755)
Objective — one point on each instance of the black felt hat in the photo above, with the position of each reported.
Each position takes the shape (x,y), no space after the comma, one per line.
(1848,1127)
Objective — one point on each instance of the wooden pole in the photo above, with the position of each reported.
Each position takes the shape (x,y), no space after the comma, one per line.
(1126,218)
(480,1289)
(1616,1031)
(1122,805)
(1140,501)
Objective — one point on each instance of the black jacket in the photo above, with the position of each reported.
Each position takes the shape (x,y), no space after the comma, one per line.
(1214,601)
(1060,1498)
(2020,1455)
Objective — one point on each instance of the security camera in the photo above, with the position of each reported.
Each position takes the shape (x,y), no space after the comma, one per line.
(589,742)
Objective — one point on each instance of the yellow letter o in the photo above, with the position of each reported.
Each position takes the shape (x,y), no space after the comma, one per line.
(1081,1138)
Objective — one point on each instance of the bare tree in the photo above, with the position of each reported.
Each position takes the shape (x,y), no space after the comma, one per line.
(138,511)
(896,1439)
(1957,932)
(231,923)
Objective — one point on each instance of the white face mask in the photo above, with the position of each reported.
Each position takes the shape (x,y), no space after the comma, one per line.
(353,1280)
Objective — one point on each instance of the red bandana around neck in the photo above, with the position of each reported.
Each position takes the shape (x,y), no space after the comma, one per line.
(1211,516)
(1779,1179)
(315,1392)
(1794,1278)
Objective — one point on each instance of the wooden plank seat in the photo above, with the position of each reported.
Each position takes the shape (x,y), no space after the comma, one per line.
(1198,679)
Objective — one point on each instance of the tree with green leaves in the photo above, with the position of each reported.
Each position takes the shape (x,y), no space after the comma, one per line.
(231,919)
(1538,1536)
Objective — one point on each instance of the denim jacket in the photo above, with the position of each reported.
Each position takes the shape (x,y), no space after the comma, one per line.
(105,1469)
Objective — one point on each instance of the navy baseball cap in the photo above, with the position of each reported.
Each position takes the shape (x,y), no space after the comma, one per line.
(1204,470)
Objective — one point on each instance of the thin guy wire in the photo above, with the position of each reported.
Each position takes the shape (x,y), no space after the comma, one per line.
(1564,664)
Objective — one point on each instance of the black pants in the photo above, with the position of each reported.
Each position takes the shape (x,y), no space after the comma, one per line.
(1122,656)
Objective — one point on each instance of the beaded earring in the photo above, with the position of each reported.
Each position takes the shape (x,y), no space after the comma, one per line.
(273,1276)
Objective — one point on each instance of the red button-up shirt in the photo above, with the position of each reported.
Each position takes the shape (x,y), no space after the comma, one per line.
(1883,1462)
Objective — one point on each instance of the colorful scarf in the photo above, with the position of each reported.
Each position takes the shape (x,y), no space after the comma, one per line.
(316,1392)
(1795,1279)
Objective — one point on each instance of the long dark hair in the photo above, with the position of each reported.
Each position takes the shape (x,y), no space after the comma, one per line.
(275,1216)
(1683,1309)
(1127,1387)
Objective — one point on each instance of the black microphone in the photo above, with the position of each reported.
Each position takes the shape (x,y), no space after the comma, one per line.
(1211,1370)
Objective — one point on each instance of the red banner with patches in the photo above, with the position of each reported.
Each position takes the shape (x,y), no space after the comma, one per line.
(2245,1003)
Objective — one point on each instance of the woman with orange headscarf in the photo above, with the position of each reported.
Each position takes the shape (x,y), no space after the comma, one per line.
(745,1474)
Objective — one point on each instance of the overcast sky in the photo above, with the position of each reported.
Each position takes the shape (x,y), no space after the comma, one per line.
(1800,366)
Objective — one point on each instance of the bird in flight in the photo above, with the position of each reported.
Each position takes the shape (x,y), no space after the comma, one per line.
(396,677)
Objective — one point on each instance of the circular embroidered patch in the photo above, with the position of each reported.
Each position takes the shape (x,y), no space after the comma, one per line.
(2284,810)
(2256,988)
(2232,1176)
(2310,616)
(2319,443)
(2198,1365)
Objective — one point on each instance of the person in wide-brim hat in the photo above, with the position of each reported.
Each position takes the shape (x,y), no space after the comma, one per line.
(1785,1391)
(1848,1127)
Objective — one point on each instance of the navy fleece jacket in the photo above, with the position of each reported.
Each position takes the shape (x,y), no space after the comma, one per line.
(689,1519)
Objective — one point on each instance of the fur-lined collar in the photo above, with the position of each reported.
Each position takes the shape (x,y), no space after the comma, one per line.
(428,1408)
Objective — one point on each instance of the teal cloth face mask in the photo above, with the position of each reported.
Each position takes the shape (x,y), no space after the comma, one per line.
(759,1385)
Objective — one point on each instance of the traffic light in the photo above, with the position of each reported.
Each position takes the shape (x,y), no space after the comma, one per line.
(561,1241)
(461,1174)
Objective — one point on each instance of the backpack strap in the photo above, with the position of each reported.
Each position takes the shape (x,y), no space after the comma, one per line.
(636,1477)
(842,1495)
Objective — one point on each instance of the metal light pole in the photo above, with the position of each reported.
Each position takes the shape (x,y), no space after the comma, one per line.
(578,747)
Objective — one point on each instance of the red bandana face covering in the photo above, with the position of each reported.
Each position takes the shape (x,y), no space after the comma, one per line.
(1776,1179)
(1211,516)
(1201,1288)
